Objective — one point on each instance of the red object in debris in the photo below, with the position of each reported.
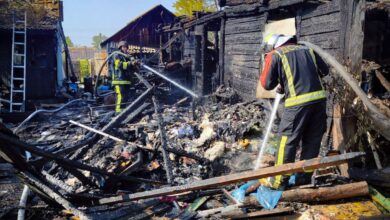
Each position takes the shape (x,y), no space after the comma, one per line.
(168,198)
(125,155)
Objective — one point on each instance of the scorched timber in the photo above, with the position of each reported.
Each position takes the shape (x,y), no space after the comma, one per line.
(300,166)
(63,161)
(344,191)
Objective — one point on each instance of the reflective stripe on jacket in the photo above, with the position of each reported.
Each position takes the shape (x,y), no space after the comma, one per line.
(122,70)
(298,70)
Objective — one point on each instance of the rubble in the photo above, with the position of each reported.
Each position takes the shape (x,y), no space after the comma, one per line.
(181,154)
(104,173)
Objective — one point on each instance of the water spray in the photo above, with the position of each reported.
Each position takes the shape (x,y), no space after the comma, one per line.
(170,80)
(269,127)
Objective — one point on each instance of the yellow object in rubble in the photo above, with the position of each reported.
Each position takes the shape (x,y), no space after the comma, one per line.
(125,163)
(70,214)
(244,142)
(351,210)
(266,182)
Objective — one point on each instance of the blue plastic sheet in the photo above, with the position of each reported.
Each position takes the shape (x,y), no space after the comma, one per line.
(239,194)
(268,198)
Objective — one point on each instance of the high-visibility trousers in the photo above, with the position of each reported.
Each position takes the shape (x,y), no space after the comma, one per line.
(300,124)
(122,96)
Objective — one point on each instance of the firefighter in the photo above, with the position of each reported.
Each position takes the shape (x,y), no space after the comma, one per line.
(296,71)
(124,66)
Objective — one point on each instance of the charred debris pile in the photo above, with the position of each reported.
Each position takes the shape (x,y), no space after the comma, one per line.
(173,156)
(177,159)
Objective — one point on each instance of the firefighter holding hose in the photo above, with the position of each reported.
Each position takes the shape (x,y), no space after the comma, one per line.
(124,67)
(297,71)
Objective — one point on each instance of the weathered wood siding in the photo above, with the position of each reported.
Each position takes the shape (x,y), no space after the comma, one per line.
(243,36)
(322,26)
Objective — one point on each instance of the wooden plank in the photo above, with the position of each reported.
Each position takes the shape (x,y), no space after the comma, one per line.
(249,64)
(35,184)
(245,73)
(205,19)
(323,9)
(345,191)
(243,57)
(62,161)
(324,40)
(338,136)
(355,34)
(300,166)
(238,2)
(320,24)
(236,20)
(245,38)
(242,10)
(248,49)
(273,4)
(222,42)
(247,27)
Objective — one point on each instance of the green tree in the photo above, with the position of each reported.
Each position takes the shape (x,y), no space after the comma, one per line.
(69,41)
(97,40)
(186,7)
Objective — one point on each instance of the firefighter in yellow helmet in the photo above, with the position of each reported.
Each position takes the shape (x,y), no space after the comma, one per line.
(124,67)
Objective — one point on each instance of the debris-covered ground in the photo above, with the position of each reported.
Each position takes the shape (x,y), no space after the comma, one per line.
(201,140)
(168,155)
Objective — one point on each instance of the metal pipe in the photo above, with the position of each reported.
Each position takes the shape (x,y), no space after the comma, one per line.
(16,130)
(107,135)
(170,80)
(96,131)
(23,198)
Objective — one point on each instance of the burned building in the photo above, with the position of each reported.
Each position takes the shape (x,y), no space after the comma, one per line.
(183,160)
(30,50)
(345,29)
(141,33)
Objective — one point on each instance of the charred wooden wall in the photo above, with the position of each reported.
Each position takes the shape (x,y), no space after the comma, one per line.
(324,25)
(243,36)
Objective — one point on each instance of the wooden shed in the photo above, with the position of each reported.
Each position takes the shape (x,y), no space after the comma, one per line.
(41,52)
(141,32)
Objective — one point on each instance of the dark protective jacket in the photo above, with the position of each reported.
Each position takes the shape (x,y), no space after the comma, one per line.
(123,68)
(298,70)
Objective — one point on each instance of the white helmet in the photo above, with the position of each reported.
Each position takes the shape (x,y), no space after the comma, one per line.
(282,40)
(276,40)
(270,40)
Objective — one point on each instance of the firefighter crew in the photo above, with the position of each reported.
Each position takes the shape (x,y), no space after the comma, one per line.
(296,71)
(121,79)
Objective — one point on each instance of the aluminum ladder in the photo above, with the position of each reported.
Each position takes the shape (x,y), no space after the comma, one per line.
(18,69)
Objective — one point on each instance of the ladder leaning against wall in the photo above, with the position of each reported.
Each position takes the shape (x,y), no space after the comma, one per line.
(17,91)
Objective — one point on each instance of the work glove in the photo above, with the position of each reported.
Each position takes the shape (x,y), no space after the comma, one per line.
(136,64)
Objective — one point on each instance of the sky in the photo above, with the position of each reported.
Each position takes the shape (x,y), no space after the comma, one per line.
(85,18)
